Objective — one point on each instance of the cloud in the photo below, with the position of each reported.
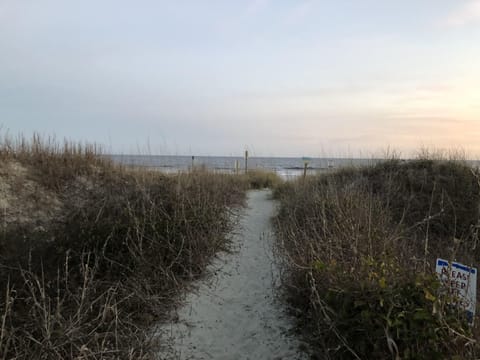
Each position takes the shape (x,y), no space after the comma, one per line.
(257,6)
(299,12)
(467,14)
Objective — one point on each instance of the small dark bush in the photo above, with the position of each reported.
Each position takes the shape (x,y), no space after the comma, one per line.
(260,179)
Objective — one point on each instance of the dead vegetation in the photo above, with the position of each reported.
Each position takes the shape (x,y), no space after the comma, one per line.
(91,253)
(359,248)
(261,179)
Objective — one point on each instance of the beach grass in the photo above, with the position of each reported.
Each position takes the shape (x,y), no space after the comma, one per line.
(92,253)
(261,179)
(359,246)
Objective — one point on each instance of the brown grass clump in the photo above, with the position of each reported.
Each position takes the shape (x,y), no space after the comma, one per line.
(91,254)
(359,248)
(260,179)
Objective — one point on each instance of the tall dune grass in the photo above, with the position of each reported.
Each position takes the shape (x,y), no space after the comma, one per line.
(92,253)
(359,248)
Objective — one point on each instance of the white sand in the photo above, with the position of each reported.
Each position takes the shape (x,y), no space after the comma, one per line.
(234,314)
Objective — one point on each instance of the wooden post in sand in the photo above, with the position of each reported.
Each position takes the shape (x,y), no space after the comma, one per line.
(193,161)
(306,160)
(246,161)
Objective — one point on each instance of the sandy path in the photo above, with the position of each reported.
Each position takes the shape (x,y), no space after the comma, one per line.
(234,313)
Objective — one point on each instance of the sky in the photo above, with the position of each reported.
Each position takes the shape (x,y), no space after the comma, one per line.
(277,77)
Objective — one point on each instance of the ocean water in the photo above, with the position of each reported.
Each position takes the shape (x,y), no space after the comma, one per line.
(285,167)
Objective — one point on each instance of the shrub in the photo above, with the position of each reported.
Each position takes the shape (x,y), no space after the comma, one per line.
(86,278)
(260,179)
(359,247)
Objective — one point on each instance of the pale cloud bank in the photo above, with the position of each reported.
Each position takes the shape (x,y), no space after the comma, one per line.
(257,6)
(285,77)
(299,12)
(468,13)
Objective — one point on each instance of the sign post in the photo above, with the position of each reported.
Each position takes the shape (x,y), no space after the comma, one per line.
(306,160)
(460,282)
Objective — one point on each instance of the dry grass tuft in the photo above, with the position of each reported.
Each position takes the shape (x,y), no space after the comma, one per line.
(359,248)
(260,179)
(91,253)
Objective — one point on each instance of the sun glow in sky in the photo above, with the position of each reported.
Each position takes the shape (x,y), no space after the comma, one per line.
(281,77)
